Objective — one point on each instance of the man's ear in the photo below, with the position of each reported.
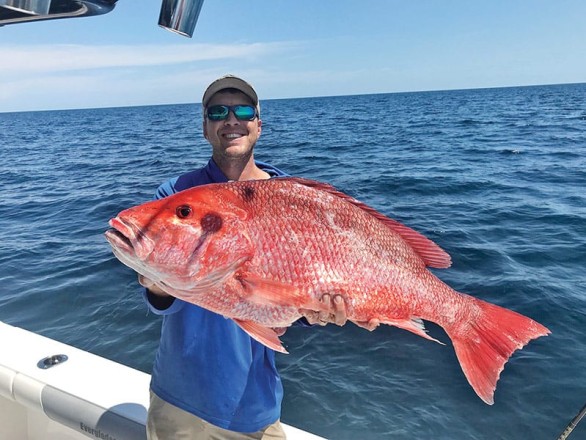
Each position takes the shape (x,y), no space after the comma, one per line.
(204,126)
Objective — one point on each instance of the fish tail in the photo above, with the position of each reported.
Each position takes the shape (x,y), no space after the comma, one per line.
(485,344)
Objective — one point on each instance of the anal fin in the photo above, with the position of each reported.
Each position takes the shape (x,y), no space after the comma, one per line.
(414,325)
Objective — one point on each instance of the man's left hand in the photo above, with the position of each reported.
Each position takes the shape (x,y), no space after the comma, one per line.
(336,312)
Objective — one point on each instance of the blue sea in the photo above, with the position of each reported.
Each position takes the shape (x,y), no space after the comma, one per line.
(496,177)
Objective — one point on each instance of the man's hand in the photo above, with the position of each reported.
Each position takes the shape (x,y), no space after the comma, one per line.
(151,286)
(157,297)
(368,325)
(335,314)
(280,331)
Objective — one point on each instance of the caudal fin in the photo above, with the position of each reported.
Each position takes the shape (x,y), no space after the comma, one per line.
(485,344)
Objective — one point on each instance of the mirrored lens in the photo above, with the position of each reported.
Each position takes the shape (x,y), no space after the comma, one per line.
(221,112)
(244,112)
(218,112)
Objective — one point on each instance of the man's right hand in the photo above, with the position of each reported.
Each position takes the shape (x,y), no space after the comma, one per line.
(151,286)
(156,296)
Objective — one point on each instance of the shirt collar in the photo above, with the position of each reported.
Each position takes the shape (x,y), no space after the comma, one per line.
(217,175)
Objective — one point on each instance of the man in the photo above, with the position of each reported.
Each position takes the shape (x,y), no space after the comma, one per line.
(210,379)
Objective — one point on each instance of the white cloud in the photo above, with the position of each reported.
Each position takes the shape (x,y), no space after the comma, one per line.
(60,57)
(72,76)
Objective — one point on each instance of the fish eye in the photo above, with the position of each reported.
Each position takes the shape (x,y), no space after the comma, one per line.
(183,211)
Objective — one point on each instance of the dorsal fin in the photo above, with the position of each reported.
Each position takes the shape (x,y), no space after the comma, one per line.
(431,253)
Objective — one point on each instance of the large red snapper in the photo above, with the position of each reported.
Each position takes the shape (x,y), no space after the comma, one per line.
(258,251)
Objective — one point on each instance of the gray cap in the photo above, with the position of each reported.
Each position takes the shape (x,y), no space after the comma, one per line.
(230,82)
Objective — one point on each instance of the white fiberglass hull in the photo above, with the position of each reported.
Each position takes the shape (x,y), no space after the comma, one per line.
(86,396)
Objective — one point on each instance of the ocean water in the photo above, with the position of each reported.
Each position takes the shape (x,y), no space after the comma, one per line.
(496,177)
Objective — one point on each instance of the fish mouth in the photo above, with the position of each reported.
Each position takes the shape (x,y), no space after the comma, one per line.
(119,241)
(127,238)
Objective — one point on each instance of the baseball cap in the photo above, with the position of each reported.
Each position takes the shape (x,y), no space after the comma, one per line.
(230,82)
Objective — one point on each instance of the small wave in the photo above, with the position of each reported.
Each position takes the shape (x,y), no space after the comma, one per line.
(509,151)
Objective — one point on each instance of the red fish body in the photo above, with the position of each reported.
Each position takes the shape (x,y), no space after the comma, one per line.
(258,251)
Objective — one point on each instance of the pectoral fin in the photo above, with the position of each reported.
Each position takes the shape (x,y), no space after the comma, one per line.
(264,335)
(275,293)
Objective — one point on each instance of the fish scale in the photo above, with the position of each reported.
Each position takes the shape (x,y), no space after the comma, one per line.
(258,252)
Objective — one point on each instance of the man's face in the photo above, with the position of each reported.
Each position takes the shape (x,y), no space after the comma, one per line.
(231,138)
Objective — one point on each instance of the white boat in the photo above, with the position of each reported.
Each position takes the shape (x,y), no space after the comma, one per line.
(179,16)
(53,391)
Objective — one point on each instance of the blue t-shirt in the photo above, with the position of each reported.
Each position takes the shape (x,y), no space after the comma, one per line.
(206,364)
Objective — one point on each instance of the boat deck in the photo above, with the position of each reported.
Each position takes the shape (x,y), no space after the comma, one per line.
(84,396)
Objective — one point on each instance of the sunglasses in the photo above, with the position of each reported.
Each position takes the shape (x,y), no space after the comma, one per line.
(221,112)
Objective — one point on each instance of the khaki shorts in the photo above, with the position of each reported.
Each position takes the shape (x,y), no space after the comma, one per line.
(167,422)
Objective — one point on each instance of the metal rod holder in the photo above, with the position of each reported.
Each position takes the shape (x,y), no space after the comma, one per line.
(180,16)
(34,7)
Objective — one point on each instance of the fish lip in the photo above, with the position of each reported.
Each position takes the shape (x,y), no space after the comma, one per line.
(119,241)
(125,228)
(128,237)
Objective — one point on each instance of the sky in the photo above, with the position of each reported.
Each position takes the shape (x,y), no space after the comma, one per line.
(291,48)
